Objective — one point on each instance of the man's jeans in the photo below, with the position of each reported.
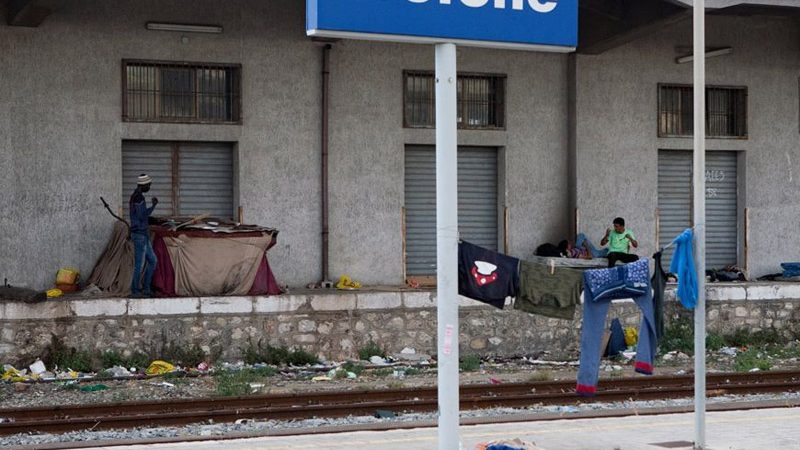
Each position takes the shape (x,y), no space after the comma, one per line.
(596,252)
(142,251)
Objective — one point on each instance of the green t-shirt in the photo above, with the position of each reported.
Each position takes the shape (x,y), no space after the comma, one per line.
(618,242)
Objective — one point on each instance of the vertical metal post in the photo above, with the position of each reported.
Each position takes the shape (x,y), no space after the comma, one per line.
(447,245)
(699,182)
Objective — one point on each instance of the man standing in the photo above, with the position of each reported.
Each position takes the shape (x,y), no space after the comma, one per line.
(619,243)
(140,234)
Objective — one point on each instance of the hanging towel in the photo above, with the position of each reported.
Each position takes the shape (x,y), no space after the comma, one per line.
(548,295)
(659,282)
(485,275)
(600,287)
(683,266)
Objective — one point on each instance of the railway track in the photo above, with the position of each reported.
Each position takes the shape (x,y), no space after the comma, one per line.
(365,402)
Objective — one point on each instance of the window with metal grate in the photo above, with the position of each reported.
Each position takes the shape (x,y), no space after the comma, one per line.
(181,92)
(726,111)
(481,100)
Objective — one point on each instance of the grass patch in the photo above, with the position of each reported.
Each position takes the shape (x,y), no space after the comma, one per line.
(370,350)
(256,353)
(59,354)
(395,385)
(237,383)
(470,363)
(541,375)
(410,371)
(751,359)
(384,372)
(112,358)
(350,366)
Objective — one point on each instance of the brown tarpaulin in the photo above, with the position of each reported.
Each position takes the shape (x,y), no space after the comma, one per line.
(114,270)
(215,266)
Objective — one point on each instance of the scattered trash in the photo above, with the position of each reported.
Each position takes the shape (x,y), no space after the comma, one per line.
(94,388)
(408,351)
(118,371)
(631,336)
(400,373)
(384,414)
(754,369)
(629,354)
(346,283)
(352,375)
(321,378)
(159,367)
(203,366)
(10,373)
(255,387)
(730,351)
(495,381)
(165,384)
(377,360)
(54,293)
(91,290)
(37,367)
(508,444)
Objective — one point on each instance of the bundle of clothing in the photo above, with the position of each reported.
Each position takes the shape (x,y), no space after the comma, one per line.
(508,444)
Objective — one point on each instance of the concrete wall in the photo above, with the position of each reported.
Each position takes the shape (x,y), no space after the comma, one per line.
(60,116)
(617,143)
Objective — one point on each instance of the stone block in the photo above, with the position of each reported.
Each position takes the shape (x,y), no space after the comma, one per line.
(379,300)
(163,306)
(53,309)
(306,326)
(788,291)
(464,302)
(726,293)
(741,311)
(104,307)
(333,302)
(305,338)
(226,305)
(280,303)
(762,292)
(419,300)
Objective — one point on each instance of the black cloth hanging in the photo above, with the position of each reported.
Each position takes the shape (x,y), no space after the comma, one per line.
(485,275)
(659,283)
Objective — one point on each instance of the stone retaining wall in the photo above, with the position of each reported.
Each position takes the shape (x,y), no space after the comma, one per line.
(336,325)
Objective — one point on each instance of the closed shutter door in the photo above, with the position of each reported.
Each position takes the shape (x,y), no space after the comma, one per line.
(206,180)
(477,203)
(675,203)
(154,159)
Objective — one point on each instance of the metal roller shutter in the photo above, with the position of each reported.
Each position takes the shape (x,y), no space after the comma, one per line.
(204,175)
(477,203)
(154,159)
(206,180)
(675,202)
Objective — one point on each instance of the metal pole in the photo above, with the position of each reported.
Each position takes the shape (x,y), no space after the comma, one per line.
(447,245)
(699,182)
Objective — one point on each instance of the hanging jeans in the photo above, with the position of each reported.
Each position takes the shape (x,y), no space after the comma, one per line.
(600,287)
(142,251)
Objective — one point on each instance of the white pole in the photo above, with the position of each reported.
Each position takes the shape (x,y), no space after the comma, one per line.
(447,245)
(700,223)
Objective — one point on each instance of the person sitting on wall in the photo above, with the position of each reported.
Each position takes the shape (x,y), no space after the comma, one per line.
(619,242)
(140,235)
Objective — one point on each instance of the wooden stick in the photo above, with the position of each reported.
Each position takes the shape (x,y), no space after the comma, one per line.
(190,222)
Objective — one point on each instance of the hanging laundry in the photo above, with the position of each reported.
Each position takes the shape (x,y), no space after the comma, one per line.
(551,295)
(659,283)
(600,287)
(485,275)
(683,266)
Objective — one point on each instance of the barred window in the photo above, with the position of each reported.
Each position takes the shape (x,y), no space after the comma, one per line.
(726,111)
(181,92)
(481,100)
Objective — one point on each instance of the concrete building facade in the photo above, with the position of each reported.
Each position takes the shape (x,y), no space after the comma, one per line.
(580,134)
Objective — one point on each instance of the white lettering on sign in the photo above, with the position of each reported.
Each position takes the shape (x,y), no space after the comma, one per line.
(536,5)
(715,175)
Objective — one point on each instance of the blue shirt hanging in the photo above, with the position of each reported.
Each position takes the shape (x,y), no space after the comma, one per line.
(683,267)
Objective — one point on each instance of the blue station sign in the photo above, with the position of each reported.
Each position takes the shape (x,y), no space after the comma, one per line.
(549,25)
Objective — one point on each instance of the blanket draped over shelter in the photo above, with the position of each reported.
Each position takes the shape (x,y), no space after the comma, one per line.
(193,262)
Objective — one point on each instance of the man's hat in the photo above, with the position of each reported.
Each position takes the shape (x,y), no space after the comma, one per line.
(144,179)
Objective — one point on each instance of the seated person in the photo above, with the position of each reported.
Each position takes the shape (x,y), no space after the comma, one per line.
(583,242)
(619,243)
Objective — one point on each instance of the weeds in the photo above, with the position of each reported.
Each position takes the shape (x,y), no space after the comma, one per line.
(541,375)
(411,371)
(382,372)
(112,358)
(751,359)
(395,385)
(276,356)
(370,350)
(350,366)
(60,355)
(237,383)
(470,363)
